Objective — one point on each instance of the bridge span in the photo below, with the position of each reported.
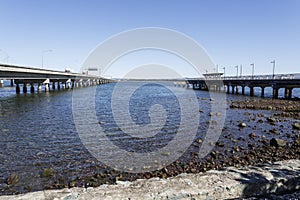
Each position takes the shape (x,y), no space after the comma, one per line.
(29,76)
(216,82)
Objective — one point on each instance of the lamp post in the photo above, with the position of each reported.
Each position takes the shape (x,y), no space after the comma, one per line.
(241,70)
(237,70)
(273,62)
(43,52)
(252,70)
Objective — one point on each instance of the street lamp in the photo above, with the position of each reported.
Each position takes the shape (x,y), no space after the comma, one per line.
(43,52)
(273,62)
(252,69)
(237,70)
(241,71)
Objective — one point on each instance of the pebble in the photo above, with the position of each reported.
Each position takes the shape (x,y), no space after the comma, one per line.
(242,125)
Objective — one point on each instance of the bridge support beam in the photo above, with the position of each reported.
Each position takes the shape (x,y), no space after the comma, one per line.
(228,89)
(232,89)
(288,93)
(31,88)
(39,88)
(262,91)
(237,90)
(47,87)
(11,82)
(24,88)
(243,90)
(275,93)
(58,85)
(18,89)
(53,86)
(251,91)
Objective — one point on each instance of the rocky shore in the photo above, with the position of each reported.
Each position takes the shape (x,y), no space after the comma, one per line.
(256,182)
(285,108)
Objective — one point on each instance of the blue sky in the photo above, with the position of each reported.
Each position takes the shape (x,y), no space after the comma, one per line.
(233,32)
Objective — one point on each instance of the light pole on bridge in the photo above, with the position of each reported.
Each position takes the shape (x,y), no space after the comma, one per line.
(252,70)
(273,62)
(43,52)
(237,71)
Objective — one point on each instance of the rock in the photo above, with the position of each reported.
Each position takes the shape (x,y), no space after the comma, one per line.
(296,126)
(270,107)
(275,142)
(48,172)
(101,122)
(199,141)
(211,114)
(218,114)
(252,135)
(271,119)
(211,99)
(242,125)
(201,111)
(13,179)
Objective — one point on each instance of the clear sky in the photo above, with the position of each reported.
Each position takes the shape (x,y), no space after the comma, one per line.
(233,32)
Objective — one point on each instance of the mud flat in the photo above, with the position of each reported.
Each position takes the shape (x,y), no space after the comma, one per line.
(271,178)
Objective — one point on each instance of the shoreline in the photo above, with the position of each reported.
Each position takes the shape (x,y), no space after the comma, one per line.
(277,178)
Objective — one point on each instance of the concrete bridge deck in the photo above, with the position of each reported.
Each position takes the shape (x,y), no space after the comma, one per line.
(232,84)
(25,76)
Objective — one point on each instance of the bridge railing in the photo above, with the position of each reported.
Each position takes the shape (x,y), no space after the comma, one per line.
(260,77)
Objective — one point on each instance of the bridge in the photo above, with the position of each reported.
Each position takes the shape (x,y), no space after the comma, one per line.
(24,76)
(218,83)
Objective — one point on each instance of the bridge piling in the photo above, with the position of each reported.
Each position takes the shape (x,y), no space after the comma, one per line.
(47,87)
(262,91)
(1,83)
(24,88)
(31,88)
(39,88)
(18,89)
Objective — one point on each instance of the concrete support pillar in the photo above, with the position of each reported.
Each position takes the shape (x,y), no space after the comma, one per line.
(232,89)
(275,93)
(18,89)
(243,90)
(31,88)
(39,88)
(58,85)
(237,90)
(53,86)
(63,85)
(66,85)
(251,91)
(11,82)
(24,88)
(288,93)
(228,89)
(262,91)
(1,83)
(47,87)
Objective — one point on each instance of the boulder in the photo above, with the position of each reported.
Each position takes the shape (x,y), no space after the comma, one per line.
(275,142)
